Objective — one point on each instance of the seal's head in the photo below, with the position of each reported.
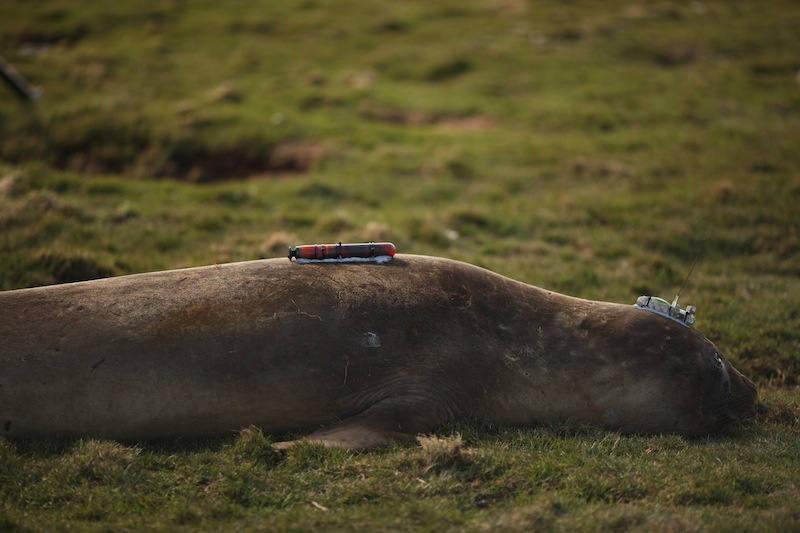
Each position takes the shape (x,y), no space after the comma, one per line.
(727,395)
(696,379)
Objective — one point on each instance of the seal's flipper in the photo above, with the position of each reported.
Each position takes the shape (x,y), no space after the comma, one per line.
(353,438)
(378,426)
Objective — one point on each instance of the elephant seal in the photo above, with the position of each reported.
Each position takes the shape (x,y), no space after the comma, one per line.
(359,354)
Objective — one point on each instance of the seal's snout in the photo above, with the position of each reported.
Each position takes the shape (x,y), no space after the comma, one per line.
(728,395)
(743,395)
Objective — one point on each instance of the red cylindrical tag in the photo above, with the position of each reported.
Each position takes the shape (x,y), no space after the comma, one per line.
(320,252)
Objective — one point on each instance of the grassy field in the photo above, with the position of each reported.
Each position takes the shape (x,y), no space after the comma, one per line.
(590,148)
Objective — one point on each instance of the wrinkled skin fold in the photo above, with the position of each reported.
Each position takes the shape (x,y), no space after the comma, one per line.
(357,354)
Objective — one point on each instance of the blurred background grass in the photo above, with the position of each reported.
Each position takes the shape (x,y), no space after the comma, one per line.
(590,148)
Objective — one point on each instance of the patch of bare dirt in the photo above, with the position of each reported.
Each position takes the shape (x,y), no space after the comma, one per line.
(201,164)
(413,117)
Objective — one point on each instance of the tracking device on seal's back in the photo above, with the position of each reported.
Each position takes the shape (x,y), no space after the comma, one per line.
(672,311)
(375,252)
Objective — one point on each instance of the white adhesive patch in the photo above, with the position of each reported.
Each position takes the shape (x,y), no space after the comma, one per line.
(376,259)
(370,340)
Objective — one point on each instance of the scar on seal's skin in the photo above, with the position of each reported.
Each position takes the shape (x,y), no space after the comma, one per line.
(346,364)
(299,312)
(98,363)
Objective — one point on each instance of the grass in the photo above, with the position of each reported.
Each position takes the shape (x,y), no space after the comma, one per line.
(590,149)
(557,477)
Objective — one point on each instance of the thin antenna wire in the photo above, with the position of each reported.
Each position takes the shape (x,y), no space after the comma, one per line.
(696,257)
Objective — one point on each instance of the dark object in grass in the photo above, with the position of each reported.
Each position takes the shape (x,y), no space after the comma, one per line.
(17,82)
(359,355)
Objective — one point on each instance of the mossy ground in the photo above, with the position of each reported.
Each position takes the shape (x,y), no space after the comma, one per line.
(590,148)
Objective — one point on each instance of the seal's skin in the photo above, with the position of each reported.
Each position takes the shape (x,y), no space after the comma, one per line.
(359,354)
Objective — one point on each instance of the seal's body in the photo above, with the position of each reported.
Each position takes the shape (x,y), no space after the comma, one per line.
(370,353)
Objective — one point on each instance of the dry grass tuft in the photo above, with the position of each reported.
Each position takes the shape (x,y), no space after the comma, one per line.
(278,242)
(722,191)
(443,452)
